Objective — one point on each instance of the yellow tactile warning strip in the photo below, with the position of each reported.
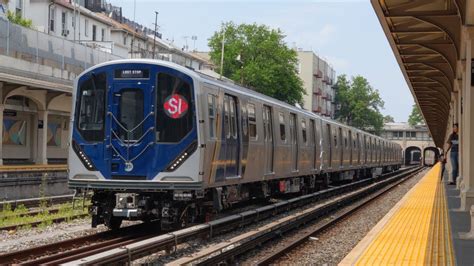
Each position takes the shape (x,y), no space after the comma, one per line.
(33,167)
(415,232)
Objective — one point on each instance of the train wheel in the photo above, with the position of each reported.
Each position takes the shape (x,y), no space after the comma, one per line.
(114,223)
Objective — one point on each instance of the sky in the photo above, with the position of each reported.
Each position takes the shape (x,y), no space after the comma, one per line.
(345,33)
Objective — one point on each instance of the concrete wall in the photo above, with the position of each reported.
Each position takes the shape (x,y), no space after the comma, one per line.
(15,188)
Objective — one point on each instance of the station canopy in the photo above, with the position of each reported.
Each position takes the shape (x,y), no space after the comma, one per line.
(425,38)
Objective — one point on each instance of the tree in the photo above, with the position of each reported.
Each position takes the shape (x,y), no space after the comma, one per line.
(415,117)
(359,104)
(18,19)
(257,57)
(388,119)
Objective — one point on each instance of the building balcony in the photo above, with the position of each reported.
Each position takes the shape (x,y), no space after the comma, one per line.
(318,74)
(317,91)
(317,109)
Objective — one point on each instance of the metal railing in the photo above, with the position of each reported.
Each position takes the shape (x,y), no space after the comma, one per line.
(44,49)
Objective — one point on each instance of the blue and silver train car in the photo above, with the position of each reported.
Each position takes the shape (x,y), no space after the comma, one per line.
(155,140)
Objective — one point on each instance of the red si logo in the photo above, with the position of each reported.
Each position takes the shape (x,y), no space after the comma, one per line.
(176,106)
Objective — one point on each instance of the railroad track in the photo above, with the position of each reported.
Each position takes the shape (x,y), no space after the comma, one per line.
(330,210)
(39,222)
(169,241)
(76,248)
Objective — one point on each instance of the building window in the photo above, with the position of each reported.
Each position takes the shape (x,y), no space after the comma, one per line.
(63,24)
(19,7)
(125,40)
(52,15)
(282,127)
(86,27)
(94,32)
(303,130)
(102,35)
(211,102)
(252,121)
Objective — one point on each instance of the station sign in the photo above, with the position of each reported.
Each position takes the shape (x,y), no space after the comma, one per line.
(132,74)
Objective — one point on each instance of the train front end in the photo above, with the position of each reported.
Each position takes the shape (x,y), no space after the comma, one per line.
(134,141)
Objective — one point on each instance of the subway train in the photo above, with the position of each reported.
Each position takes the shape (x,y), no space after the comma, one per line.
(157,141)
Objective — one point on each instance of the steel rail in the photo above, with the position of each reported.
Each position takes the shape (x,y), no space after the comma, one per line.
(127,253)
(228,250)
(70,247)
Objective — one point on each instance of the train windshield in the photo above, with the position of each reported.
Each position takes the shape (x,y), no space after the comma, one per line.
(90,111)
(174,118)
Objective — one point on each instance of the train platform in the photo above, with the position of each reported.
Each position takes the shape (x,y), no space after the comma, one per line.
(423,228)
(32,168)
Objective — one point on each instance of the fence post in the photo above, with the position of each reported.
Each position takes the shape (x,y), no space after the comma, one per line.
(85,57)
(8,37)
(62,63)
(37,47)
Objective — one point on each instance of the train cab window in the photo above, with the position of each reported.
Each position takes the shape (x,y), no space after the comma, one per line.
(211,103)
(174,115)
(252,121)
(131,114)
(282,127)
(303,131)
(90,107)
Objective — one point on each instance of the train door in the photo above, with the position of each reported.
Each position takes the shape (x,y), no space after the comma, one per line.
(312,142)
(130,127)
(358,148)
(329,141)
(350,148)
(231,142)
(268,138)
(341,147)
(293,142)
(318,145)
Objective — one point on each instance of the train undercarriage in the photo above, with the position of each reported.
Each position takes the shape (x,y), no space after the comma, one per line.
(178,208)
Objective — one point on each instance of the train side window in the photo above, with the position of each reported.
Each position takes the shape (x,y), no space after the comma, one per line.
(252,121)
(233,118)
(282,127)
(174,108)
(211,103)
(226,118)
(303,131)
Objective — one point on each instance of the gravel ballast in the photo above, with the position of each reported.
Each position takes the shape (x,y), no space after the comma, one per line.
(331,246)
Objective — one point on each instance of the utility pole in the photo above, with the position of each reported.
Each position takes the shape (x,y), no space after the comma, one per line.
(222,51)
(154,35)
(194,38)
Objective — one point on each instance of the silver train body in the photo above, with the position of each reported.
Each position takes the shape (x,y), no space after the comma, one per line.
(246,145)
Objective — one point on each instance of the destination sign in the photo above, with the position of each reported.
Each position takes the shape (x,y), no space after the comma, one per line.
(132,74)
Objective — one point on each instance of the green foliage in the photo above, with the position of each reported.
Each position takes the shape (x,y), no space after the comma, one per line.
(257,57)
(388,119)
(415,117)
(18,19)
(360,104)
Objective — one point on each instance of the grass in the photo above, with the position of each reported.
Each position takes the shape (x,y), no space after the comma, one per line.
(19,215)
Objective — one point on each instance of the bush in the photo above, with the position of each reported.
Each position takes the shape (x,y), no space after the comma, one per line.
(18,19)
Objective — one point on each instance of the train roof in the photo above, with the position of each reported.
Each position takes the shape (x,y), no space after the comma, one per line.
(217,82)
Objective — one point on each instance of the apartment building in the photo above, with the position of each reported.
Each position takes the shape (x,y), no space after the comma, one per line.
(318,79)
